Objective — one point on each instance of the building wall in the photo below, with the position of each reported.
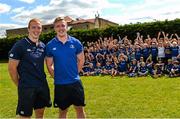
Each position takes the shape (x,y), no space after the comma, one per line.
(47,28)
(15,32)
(99,23)
(104,23)
(24,31)
(83,26)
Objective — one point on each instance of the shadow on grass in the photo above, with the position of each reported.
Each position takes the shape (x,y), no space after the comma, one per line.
(3,60)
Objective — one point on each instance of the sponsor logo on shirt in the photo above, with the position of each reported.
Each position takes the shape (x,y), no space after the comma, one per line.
(72,46)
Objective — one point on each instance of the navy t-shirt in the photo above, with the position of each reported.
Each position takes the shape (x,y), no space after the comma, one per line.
(154,52)
(143,69)
(31,62)
(175,51)
(145,52)
(122,66)
(168,52)
(138,54)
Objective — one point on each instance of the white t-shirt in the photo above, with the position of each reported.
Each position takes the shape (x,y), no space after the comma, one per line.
(161,52)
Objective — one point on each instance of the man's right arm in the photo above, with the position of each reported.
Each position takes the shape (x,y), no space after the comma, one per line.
(50,65)
(12,68)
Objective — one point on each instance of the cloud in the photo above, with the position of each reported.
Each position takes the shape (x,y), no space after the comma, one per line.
(18,10)
(4,8)
(27,1)
(72,8)
(146,11)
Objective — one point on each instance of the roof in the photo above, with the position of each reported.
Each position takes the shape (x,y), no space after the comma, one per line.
(68,19)
(83,21)
(80,21)
(108,21)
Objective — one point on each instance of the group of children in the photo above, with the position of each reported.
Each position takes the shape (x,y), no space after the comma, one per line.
(151,56)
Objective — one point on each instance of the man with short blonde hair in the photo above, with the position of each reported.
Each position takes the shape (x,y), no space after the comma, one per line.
(58,19)
(66,54)
(26,68)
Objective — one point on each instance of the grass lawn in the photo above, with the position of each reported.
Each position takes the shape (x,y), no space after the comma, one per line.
(106,97)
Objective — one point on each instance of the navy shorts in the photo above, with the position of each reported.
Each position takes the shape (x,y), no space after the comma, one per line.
(30,98)
(69,94)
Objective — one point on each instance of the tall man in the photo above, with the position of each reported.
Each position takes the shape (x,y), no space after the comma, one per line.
(65,54)
(26,68)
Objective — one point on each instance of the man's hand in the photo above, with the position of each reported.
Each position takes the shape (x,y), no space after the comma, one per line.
(12,68)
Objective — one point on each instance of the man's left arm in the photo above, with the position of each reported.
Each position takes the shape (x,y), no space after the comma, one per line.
(80,58)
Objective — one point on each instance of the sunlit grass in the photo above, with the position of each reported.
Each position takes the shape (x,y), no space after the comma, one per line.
(107,97)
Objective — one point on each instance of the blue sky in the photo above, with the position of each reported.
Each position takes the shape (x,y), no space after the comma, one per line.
(17,13)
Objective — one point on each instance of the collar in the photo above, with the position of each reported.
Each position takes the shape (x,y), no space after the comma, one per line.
(30,41)
(57,40)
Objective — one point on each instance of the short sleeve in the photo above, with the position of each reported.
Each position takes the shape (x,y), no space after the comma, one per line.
(79,47)
(16,52)
(48,52)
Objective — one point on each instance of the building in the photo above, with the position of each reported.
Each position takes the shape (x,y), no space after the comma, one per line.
(72,24)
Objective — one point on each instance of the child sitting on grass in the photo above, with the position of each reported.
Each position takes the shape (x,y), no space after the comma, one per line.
(143,71)
(175,71)
(133,68)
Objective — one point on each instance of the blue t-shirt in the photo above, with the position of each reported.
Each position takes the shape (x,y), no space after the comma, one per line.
(160,69)
(168,52)
(145,52)
(150,68)
(31,62)
(108,67)
(176,67)
(133,67)
(168,67)
(122,66)
(65,59)
(86,69)
(138,54)
(94,53)
(154,52)
(175,51)
(143,69)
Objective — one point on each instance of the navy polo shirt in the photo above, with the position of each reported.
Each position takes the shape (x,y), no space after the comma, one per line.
(65,59)
(31,62)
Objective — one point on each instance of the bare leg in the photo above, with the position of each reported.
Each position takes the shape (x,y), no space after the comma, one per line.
(80,111)
(63,113)
(39,113)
